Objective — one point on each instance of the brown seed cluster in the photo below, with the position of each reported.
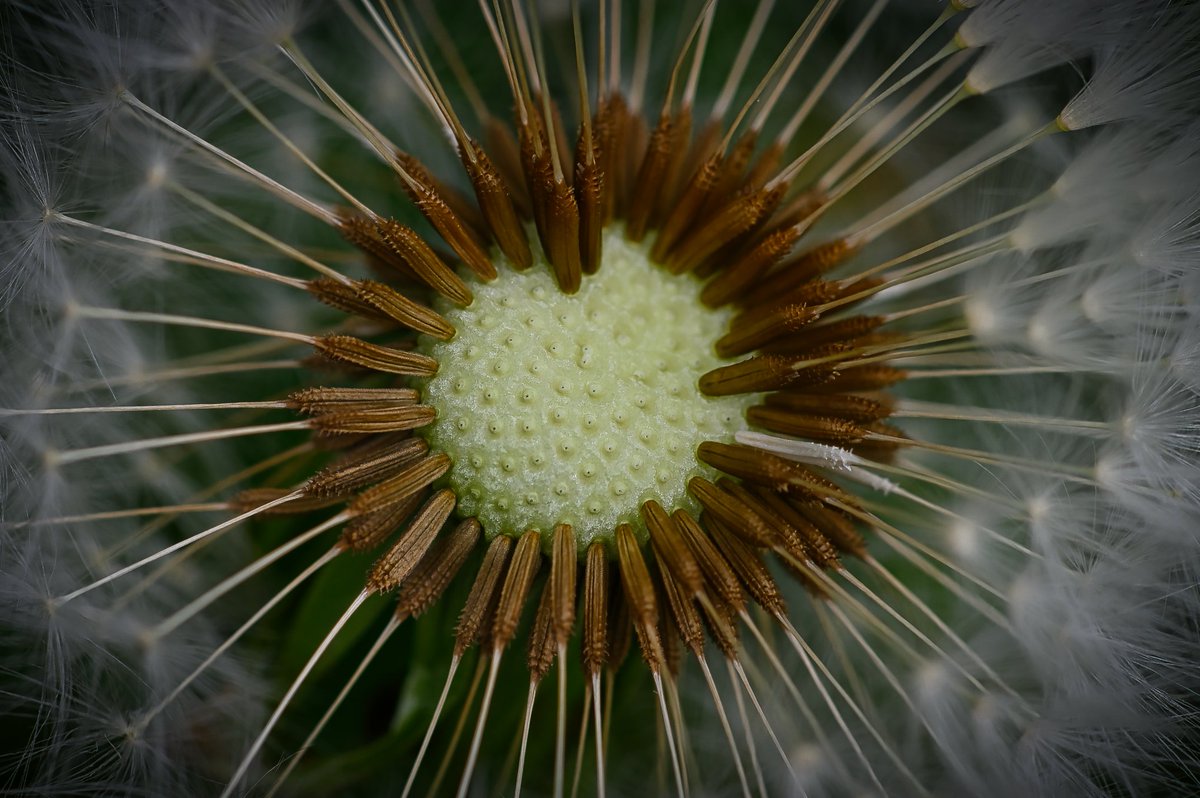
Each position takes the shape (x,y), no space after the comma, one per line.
(717,206)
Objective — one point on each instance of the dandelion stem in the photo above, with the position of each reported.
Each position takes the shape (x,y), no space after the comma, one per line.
(810,717)
(148,529)
(831,71)
(63,411)
(560,737)
(169,375)
(747,733)
(600,776)
(581,747)
(810,658)
(913,408)
(874,230)
(662,707)
(193,256)
(865,102)
(266,607)
(944,628)
(729,739)
(177,546)
(275,187)
(533,686)
(811,27)
(116,314)
(262,235)
(433,720)
(128,447)
(189,611)
(291,692)
(737,69)
(382,146)
(472,756)
(111,515)
(392,625)
(735,667)
(291,146)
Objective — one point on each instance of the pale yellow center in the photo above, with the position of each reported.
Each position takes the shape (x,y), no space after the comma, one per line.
(577,409)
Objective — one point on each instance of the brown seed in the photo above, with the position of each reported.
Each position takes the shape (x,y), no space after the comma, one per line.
(328,400)
(798,210)
(783,536)
(497,206)
(673,177)
(620,624)
(370,530)
(357,352)
(849,330)
(253,498)
(761,373)
(765,468)
(743,213)
(733,170)
(525,562)
(718,619)
(506,154)
(403,484)
(391,304)
(805,541)
(594,647)
(686,212)
(749,567)
(672,645)
(398,562)
(452,230)
(682,610)
(541,648)
(801,269)
(640,599)
(767,164)
(863,409)
(860,378)
(741,271)
(825,429)
(407,245)
(457,201)
(650,177)
(480,600)
(563,573)
(364,468)
(363,233)
(591,194)
(375,300)
(671,549)
(705,144)
(749,331)
(562,236)
(716,570)
(731,511)
(837,527)
(437,569)
(377,420)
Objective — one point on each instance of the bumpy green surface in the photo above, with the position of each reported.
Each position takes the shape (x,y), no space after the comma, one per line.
(579,408)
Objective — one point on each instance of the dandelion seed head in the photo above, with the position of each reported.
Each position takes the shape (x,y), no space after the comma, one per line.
(615,364)
(868,418)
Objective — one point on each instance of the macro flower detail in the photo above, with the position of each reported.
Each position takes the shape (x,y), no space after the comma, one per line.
(382,382)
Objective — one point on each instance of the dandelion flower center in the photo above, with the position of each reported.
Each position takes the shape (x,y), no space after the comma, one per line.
(577,409)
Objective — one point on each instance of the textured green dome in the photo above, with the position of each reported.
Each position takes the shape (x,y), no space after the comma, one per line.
(577,409)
